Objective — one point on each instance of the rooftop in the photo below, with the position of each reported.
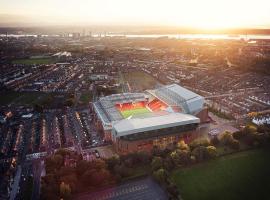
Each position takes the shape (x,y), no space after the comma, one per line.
(135,125)
(175,95)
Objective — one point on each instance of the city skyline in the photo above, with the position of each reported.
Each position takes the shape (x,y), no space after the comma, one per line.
(205,14)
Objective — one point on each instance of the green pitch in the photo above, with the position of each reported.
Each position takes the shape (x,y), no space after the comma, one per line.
(128,113)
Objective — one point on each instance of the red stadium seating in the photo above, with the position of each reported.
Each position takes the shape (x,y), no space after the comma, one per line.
(130,106)
(157,105)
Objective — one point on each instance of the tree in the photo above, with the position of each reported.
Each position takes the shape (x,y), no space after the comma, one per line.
(235,144)
(81,167)
(87,178)
(249,129)
(239,134)
(157,152)
(172,190)
(228,139)
(199,142)
(181,157)
(121,170)
(65,191)
(168,163)
(200,153)
(112,162)
(215,140)
(69,102)
(160,175)
(212,152)
(70,179)
(54,162)
(182,145)
(100,177)
(156,163)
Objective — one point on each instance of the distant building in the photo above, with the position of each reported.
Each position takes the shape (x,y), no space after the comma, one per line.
(99,77)
(76,35)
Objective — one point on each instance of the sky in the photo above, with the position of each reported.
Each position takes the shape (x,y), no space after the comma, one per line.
(208,14)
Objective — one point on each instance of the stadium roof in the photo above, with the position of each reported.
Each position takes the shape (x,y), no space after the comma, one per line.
(174,94)
(183,92)
(124,98)
(106,110)
(135,125)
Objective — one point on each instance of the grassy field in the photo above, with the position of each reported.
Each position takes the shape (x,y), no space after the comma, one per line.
(128,113)
(244,175)
(85,98)
(33,61)
(22,98)
(140,81)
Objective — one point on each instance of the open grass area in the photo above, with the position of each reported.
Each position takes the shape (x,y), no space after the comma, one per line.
(133,112)
(32,61)
(8,97)
(22,98)
(237,176)
(140,81)
(86,97)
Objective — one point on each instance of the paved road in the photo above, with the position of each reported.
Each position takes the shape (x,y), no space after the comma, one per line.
(16,183)
(37,169)
(143,189)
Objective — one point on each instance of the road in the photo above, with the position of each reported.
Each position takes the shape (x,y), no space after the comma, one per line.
(16,182)
(143,189)
(38,166)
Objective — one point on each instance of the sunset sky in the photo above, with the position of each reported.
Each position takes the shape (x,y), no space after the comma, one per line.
(186,13)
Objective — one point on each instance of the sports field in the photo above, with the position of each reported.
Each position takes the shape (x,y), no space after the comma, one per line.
(133,112)
(242,175)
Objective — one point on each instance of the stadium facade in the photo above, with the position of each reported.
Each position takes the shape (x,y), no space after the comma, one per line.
(159,117)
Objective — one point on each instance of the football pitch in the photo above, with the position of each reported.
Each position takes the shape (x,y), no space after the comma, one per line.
(138,111)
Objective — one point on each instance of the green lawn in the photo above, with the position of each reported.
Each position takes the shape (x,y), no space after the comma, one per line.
(8,97)
(244,175)
(22,98)
(139,80)
(85,98)
(32,61)
(128,113)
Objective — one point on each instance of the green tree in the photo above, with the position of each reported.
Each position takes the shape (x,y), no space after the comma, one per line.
(122,170)
(65,191)
(250,129)
(199,142)
(172,190)
(180,157)
(212,152)
(200,153)
(112,162)
(226,138)
(168,163)
(81,167)
(182,145)
(160,175)
(156,163)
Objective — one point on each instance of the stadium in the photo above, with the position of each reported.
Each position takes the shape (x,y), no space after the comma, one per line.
(159,117)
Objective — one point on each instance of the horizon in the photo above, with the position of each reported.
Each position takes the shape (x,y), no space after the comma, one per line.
(205,15)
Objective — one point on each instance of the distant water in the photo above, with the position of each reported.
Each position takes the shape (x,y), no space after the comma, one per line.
(195,36)
(176,36)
